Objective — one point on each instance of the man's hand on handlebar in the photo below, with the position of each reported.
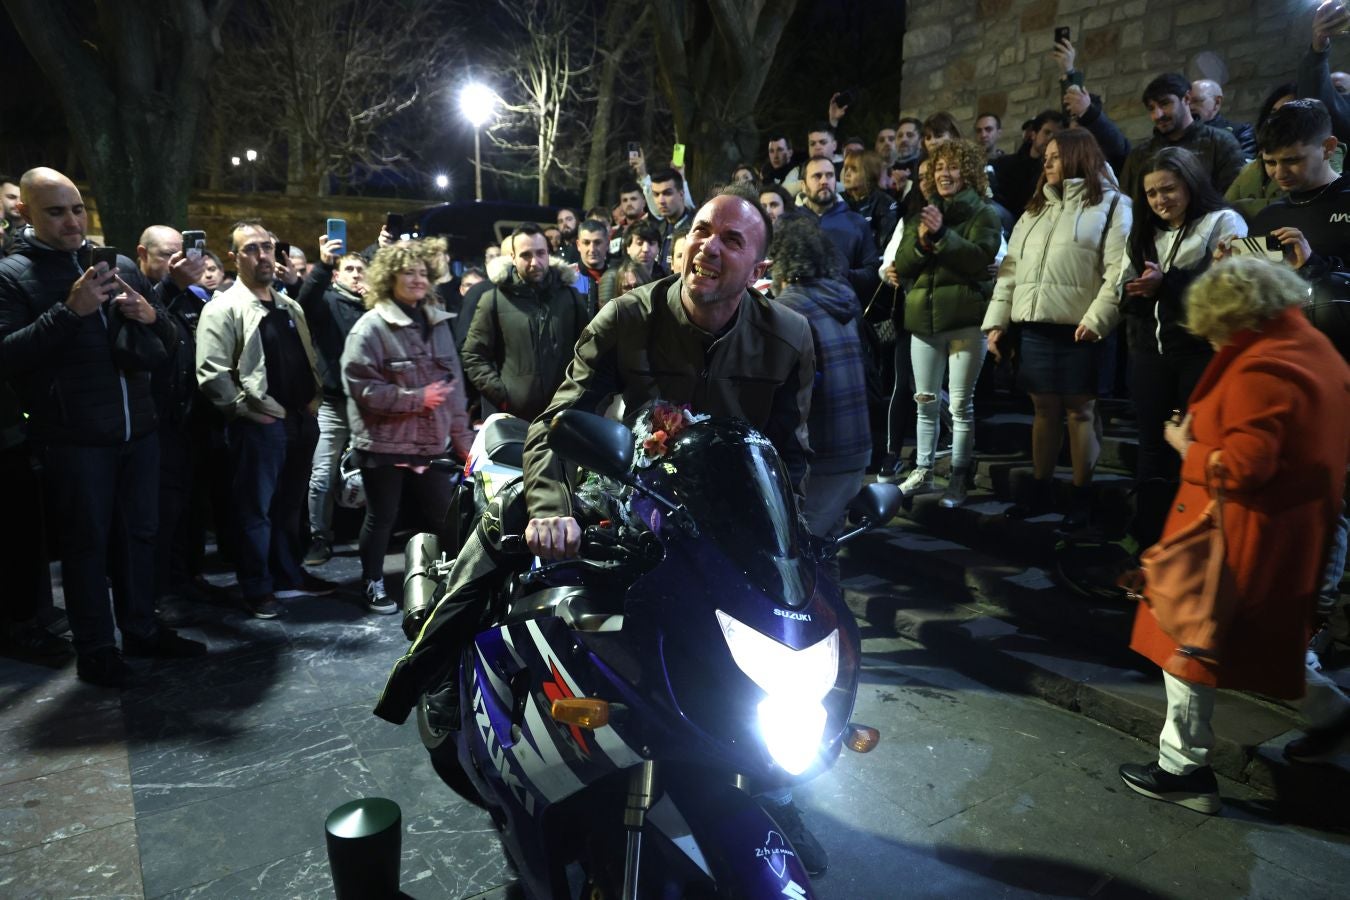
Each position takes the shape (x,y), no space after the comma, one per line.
(557,537)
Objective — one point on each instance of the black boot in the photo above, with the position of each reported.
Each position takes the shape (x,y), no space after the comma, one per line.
(1038,501)
(1080,509)
(955,494)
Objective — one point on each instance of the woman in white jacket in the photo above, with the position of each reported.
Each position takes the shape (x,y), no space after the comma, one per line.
(1061,283)
(1180,220)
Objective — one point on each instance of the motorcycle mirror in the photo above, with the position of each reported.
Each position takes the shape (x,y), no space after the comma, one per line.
(876,503)
(594,442)
(873,506)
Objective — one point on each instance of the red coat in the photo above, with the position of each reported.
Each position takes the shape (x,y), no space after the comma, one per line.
(1275,404)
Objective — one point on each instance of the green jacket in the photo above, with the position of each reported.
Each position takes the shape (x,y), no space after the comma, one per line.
(952,283)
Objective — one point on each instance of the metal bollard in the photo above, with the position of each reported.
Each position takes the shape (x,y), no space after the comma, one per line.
(365,839)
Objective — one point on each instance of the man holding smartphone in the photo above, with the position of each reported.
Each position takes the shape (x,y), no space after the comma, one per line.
(92,418)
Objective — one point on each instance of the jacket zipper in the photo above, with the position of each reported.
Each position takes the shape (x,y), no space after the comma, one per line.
(121,376)
(1040,270)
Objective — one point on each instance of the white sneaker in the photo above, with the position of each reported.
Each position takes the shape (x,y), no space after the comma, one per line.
(920,481)
(377,600)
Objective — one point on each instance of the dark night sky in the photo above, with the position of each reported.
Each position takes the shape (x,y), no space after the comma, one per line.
(832,44)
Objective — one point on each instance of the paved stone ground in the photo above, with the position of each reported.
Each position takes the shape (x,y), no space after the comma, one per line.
(213,778)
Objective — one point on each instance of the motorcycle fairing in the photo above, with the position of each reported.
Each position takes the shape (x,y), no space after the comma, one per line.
(726,834)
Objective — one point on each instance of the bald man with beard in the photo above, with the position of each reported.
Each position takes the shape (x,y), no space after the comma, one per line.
(77,343)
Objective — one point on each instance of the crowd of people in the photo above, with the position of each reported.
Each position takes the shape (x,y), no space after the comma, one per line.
(828,297)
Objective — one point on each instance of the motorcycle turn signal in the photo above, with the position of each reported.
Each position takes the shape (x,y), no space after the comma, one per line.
(861,738)
(581,712)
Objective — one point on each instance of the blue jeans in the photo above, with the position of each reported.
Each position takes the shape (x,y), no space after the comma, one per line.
(105,501)
(271,469)
(334,433)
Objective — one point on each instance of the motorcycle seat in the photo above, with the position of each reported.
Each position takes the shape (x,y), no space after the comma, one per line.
(504,440)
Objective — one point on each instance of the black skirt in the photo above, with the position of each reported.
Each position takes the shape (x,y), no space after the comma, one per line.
(1052,362)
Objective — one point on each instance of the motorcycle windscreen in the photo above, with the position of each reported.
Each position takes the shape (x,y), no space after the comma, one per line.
(731,480)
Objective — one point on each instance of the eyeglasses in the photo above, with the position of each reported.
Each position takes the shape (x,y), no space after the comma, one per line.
(255,249)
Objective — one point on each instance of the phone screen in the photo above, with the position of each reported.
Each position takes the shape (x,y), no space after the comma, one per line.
(194,242)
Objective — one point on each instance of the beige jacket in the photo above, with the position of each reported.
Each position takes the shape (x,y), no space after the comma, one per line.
(230,366)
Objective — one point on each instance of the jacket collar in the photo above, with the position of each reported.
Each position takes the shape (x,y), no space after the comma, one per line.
(393,313)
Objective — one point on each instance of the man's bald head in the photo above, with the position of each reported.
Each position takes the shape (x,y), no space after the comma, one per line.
(53,206)
(156,247)
(1206,99)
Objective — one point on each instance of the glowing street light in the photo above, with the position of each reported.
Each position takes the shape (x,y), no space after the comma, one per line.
(442,182)
(234,161)
(478,103)
(251,155)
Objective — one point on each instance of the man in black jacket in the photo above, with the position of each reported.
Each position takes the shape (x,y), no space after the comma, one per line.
(78,344)
(331,298)
(524,330)
(174,275)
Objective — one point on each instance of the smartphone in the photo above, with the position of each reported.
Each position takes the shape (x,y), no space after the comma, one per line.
(1061,34)
(393,223)
(1273,243)
(634,149)
(677,156)
(89,256)
(194,242)
(337,231)
(1269,248)
(844,98)
(283,251)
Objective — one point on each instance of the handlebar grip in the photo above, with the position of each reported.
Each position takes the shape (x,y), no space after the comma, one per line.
(514,544)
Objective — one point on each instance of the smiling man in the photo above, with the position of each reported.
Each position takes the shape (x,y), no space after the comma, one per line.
(1168,99)
(704,337)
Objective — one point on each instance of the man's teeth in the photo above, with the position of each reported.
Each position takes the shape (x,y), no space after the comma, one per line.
(705,273)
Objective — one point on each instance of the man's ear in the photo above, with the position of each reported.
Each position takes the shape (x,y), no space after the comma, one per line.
(142,252)
(1329,146)
(758,272)
(22,209)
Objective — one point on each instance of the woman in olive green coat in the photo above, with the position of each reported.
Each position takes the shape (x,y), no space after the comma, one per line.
(947,251)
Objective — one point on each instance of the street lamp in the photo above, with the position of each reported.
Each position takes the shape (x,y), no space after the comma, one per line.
(442,182)
(478,104)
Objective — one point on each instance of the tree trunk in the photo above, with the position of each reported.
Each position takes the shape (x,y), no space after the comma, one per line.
(714,56)
(132,88)
(619,31)
(295,164)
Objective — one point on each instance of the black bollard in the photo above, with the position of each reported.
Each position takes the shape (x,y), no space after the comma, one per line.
(365,839)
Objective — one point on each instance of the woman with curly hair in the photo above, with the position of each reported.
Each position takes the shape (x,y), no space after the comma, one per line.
(1061,281)
(1267,427)
(405,401)
(946,251)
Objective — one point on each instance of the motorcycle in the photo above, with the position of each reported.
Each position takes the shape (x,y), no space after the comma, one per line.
(625,707)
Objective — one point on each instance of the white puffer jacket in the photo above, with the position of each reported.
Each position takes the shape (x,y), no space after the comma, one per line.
(1057,270)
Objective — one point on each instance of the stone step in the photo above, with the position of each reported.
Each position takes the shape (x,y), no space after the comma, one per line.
(1012,626)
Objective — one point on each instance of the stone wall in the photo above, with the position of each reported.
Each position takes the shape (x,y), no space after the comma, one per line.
(968,56)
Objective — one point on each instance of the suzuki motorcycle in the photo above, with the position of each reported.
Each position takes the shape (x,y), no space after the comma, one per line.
(625,708)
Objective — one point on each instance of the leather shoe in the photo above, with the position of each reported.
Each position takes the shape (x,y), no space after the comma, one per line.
(1197,790)
(103,667)
(1320,744)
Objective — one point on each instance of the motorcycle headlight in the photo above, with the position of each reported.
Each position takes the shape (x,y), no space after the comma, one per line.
(792,717)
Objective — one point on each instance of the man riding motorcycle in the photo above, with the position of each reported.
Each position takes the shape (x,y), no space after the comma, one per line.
(704,338)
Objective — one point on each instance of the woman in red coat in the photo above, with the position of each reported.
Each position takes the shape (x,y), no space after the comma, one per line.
(1269,416)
